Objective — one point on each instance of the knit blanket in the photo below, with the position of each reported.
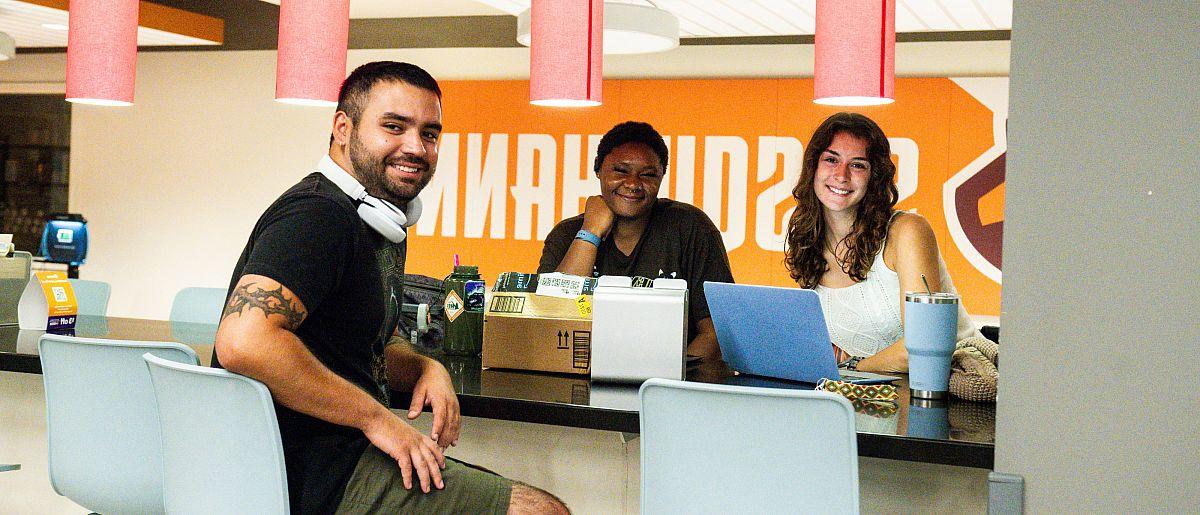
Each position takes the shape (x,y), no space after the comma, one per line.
(973,369)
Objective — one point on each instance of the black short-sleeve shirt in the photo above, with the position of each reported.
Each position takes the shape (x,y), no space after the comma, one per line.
(680,242)
(349,278)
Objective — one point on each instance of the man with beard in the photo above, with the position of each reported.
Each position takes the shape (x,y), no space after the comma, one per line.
(314,303)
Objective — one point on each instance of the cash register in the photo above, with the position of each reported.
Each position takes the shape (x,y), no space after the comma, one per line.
(65,241)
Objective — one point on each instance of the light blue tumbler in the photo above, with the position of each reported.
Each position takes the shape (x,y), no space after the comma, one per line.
(930,329)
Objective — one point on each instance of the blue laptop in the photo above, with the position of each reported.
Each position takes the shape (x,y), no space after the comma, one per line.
(776,332)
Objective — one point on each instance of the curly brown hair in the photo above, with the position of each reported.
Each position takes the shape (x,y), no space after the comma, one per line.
(805,254)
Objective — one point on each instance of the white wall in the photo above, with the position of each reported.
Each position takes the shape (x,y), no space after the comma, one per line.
(33,74)
(1098,394)
(173,185)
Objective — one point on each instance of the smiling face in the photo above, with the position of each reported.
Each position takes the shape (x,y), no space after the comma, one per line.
(842,173)
(629,179)
(393,146)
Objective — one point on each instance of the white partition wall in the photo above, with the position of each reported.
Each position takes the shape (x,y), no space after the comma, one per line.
(1099,376)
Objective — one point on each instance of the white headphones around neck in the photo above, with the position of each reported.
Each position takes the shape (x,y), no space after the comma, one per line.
(381,215)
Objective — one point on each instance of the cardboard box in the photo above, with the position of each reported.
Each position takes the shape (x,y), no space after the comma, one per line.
(524,331)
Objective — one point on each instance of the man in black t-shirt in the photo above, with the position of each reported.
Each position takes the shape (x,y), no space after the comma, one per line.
(314,301)
(628,230)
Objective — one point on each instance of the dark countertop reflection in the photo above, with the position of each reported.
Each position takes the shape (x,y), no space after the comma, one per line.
(951,432)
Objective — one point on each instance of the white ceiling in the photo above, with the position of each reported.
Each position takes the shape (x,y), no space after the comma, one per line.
(24,22)
(733,18)
(721,18)
(697,18)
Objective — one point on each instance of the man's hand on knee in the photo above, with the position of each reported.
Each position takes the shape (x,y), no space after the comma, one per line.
(413,451)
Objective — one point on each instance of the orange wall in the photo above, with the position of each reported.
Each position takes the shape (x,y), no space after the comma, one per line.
(509,170)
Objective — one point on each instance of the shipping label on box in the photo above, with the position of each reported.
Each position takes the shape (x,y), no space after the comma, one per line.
(526,304)
(519,282)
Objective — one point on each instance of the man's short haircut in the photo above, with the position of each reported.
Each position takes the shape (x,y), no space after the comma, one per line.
(631,132)
(353,95)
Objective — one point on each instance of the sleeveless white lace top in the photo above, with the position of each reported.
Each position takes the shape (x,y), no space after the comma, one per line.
(864,318)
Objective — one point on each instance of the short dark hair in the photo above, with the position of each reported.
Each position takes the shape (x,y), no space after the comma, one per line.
(352,97)
(631,132)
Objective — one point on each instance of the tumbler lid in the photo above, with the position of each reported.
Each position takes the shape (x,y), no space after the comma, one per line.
(466,270)
(930,298)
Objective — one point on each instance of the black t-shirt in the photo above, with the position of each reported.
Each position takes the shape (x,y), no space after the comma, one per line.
(349,278)
(680,242)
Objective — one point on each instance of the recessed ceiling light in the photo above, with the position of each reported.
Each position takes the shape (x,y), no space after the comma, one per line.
(54,26)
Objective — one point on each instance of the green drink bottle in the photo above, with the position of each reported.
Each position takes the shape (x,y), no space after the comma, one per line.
(464,312)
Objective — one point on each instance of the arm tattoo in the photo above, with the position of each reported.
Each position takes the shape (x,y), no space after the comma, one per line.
(271,302)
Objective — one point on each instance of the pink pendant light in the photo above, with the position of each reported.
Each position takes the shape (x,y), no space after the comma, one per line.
(855,52)
(102,51)
(311,62)
(565,52)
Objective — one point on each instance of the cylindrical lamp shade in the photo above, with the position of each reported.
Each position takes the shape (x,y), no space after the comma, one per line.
(628,29)
(855,62)
(311,61)
(566,52)
(102,51)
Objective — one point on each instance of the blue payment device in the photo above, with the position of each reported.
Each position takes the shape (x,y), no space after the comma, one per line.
(65,239)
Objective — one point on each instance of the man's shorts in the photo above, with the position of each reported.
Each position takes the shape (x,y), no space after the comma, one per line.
(377,487)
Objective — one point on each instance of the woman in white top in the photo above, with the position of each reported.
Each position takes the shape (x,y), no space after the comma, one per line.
(846,241)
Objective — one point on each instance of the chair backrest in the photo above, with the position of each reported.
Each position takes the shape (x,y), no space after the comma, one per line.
(710,448)
(222,452)
(92,296)
(198,305)
(102,424)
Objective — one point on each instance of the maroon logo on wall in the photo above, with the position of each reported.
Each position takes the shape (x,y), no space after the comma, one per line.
(986,239)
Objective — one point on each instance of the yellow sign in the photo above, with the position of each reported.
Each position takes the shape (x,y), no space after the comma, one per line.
(48,303)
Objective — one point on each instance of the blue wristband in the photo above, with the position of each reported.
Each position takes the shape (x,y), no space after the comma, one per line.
(587,236)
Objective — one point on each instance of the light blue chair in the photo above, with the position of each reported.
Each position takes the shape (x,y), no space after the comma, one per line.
(198,305)
(709,448)
(222,452)
(92,296)
(105,452)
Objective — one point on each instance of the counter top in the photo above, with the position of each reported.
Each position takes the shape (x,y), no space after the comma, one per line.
(18,348)
(954,432)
